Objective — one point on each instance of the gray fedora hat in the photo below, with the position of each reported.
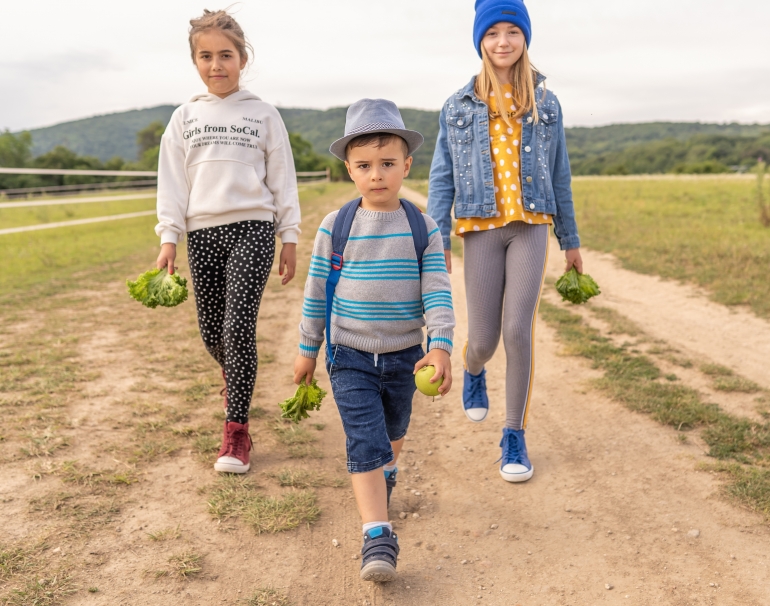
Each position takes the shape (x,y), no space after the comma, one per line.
(375,116)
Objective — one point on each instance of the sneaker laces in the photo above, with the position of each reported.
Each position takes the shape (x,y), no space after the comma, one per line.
(511,448)
(478,387)
(238,444)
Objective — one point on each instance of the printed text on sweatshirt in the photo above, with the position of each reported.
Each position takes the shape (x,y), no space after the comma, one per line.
(379,301)
(224,161)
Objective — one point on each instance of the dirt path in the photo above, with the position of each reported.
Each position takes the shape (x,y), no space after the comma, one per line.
(682,315)
(613,500)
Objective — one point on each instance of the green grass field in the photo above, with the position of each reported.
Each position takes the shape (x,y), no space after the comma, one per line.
(703,230)
(41,263)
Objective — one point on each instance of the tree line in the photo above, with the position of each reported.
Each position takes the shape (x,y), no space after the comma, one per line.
(698,154)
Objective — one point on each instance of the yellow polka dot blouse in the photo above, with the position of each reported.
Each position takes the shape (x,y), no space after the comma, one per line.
(506,157)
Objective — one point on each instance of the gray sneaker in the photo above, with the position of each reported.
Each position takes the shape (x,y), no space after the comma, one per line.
(380,552)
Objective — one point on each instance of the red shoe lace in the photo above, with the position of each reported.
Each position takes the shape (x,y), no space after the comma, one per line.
(239,446)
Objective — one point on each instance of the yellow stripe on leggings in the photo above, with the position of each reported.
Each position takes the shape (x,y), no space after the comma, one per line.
(534,322)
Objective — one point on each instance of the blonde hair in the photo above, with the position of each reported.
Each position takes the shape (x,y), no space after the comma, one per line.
(224,22)
(523,77)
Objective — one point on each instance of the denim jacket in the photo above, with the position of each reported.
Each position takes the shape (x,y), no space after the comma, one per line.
(461,172)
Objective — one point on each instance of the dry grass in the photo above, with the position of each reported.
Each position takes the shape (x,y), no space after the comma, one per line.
(236,497)
(618,323)
(185,565)
(724,379)
(297,439)
(27,577)
(304,478)
(266,596)
(166,534)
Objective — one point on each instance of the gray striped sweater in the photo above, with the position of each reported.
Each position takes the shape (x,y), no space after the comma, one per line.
(379,300)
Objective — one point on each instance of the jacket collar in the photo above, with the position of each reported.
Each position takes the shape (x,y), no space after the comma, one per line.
(468,89)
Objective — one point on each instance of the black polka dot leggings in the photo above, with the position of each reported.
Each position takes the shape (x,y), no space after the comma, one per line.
(230,265)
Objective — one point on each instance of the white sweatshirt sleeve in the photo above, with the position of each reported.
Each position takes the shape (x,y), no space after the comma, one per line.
(173,186)
(281,180)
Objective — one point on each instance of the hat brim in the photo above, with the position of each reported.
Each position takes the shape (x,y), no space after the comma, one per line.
(413,140)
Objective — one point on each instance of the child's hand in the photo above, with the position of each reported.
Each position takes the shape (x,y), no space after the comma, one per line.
(304,368)
(574,259)
(167,257)
(448,259)
(288,262)
(438,358)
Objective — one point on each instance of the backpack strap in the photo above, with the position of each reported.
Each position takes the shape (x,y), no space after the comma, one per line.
(419,235)
(340,233)
(419,230)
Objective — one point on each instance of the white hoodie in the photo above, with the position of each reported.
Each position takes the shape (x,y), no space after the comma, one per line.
(223,161)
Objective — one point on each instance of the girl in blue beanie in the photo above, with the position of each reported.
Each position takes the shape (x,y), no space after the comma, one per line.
(501,161)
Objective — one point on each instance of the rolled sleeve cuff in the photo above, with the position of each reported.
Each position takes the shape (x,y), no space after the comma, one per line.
(442,341)
(447,240)
(289,236)
(169,237)
(309,349)
(569,243)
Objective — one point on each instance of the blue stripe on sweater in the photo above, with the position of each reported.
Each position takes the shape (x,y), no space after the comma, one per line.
(373,318)
(407,234)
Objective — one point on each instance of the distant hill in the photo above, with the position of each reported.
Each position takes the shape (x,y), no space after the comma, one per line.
(104,136)
(613,149)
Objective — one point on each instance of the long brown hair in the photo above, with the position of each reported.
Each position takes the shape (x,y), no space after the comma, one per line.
(523,77)
(225,23)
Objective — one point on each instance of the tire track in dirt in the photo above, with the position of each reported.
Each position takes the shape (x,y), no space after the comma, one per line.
(680,314)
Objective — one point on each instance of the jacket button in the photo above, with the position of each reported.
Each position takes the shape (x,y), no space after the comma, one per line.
(532,206)
(528,149)
(529,179)
(459,123)
(529,119)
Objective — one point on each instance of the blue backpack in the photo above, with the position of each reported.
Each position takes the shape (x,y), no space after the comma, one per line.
(340,235)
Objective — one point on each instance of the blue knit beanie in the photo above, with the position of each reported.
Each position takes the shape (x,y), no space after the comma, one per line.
(489,12)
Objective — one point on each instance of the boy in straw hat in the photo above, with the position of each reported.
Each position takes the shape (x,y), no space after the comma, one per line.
(370,295)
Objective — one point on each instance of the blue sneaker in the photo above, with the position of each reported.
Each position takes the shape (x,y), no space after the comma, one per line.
(515,465)
(380,553)
(475,400)
(390,481)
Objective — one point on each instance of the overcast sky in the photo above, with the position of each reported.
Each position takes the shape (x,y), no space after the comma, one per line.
(608,61)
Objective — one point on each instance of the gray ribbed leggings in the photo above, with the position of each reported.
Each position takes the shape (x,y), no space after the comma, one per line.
(504,271)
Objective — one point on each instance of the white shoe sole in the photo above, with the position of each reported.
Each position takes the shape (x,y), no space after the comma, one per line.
(378,571)
(231,468)
(470,418)
(517,477)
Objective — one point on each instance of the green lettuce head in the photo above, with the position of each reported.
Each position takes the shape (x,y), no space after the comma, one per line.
(157,287)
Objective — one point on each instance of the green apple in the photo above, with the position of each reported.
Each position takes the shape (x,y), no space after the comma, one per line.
(422,380)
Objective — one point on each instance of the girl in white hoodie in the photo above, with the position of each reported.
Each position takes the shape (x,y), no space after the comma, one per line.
(226,179)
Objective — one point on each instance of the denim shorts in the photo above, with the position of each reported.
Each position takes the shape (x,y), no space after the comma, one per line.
(374,396)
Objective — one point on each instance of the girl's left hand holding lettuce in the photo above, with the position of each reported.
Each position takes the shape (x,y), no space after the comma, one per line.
(573,259)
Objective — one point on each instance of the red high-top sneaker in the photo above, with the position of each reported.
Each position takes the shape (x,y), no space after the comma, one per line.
(234,454)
